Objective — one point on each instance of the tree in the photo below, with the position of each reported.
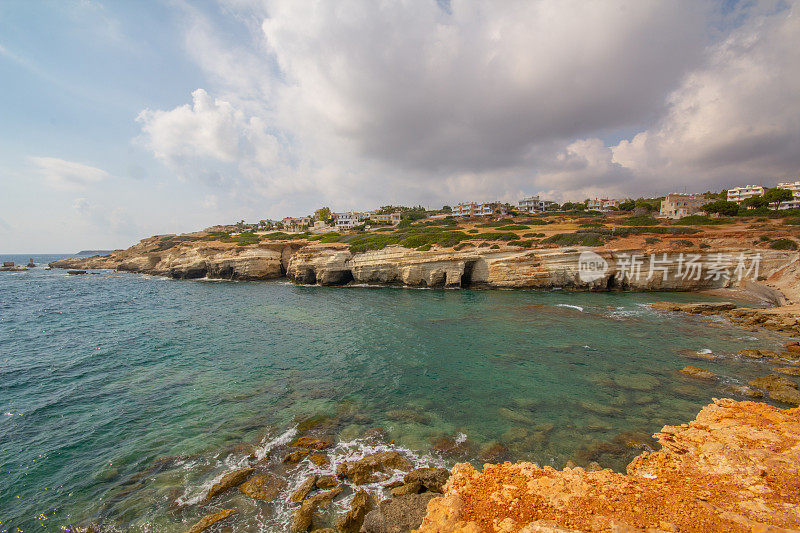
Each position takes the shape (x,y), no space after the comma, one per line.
(722,207)
(776,196)
(627,206)
(447,209)
(754,202)
(323,213)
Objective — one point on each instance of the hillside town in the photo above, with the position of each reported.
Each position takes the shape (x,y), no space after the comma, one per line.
(785,195)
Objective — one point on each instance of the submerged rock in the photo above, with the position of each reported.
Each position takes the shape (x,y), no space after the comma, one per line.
(361,505)
(312,443)
(296,456)
(263,487)
(229,480)
(209,520)
(305,514)
(697,372)
(304,488)
(364,470)
(744,390)
(319,459)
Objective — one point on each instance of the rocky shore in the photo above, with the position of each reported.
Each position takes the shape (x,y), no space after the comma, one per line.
(734,468)
(334,264)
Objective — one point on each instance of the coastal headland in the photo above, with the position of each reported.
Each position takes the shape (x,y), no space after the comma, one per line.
(734,468)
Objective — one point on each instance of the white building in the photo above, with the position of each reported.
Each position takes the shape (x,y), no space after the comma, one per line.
(349,220)
(471,209)
(385,218)
(740,194)
(533,204)
(795,188)
(605,204)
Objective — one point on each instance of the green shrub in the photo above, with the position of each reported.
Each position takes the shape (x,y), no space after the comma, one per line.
(371,242)
(702,220)
(523,244)
(783,244)
(683,243)
(496,236)
(764,238)
(463,245)
(643,220)
(704,245)
(513,227)
(424,248)
(472,231)
(591,225)
(576,239)
(496,223)
(494,247)
(529,235)
(651,240)
(535,222)
(792,221)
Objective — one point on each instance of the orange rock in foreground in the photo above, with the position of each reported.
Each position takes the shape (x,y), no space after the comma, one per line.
(735,468)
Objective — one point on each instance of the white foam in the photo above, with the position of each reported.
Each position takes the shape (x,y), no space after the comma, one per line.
(579,308)
(704,351)
(280,440)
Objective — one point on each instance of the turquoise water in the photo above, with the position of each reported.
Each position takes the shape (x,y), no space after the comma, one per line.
(103,376)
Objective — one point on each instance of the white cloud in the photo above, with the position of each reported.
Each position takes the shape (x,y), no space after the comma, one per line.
(67,175)
(736,119)
(360,103)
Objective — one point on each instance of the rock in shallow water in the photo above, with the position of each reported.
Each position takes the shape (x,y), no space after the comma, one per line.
(697,372)
(361,505)
(365,470)
(266,487)
(209,520)
(304,515)
(433,479)
(229,480)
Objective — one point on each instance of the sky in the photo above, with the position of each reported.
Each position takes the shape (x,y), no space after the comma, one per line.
(120,120)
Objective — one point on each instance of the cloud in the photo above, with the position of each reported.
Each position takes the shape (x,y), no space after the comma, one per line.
(67,175)
(102,219)
(734,120)
(360,103)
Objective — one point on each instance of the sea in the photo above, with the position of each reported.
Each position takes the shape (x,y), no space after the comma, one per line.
(123,397)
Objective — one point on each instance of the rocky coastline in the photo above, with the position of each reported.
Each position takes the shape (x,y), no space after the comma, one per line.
(732,469)
(503,268)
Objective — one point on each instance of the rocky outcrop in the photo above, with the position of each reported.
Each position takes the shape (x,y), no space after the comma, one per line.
(784,319)
(580,268)
(546,268)
(733,469)
(166,256)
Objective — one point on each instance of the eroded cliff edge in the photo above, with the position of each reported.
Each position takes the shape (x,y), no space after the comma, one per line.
(734,468)
(335,264)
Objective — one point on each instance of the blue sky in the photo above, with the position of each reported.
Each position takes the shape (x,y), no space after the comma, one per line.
(124,119)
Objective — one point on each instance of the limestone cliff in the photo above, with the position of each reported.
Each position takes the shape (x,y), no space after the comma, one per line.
(508,267)
(190,260)
(734,468)
(544,268)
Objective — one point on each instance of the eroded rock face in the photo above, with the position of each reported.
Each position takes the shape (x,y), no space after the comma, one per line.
(195,259)
(735,468)
(334,264)
(263,487)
